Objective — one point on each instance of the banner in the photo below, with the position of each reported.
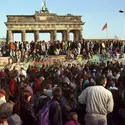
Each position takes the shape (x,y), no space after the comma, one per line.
(4,61)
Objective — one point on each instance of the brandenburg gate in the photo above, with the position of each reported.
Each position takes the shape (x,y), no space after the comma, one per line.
(44,22)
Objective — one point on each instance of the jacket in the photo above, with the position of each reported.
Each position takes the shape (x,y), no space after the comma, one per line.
(13,87)
(55,114)
(71,123)
(27,114)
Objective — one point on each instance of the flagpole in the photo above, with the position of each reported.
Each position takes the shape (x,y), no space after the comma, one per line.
(107,32)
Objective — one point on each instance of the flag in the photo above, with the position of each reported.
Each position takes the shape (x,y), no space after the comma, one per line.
(104,27)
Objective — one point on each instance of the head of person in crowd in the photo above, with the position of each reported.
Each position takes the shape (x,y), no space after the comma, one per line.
(57,93)
(73,119)
(101,81)
(81,80)
(88,82)
(12,99)
(22,78)
(49,90)
(41,78)
(6,70)
(25,96)
(73,65)
(23,72)
(49,87)
(14,73)
(67,85)
(69,66)
(15,119)
(2,96)
(3,121)
(6,110)
(73,116)
(26,83)
(112,84)
(43,92)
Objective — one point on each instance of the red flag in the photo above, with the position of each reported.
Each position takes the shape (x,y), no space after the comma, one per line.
(104,27)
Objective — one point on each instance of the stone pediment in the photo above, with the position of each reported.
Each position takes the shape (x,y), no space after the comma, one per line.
(20,18)
(56,18)
(50,17)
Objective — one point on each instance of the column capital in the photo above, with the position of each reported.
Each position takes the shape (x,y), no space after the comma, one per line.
(36,31)
(23,31)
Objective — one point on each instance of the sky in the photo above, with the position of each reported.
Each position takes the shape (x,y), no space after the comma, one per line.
(95,13)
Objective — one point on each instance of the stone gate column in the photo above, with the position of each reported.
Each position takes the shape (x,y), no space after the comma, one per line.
(55,35)
(9,36)
(64,35)
(51,36)
(74,35)
(12,36)
(23,36)
(36,36)
(68,35)
(80,32)
(78,35)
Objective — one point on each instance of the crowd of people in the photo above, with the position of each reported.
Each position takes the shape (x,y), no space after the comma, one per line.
(90,94)
(87,48)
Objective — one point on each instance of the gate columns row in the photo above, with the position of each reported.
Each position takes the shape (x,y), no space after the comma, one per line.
(53,35)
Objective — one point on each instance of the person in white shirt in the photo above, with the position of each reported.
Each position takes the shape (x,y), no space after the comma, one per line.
(99,102)
(79,48)
(23,72)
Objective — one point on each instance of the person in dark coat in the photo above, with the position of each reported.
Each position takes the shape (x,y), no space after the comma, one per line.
(55,113)
(42,100)
(27,87)
(119,100)
(27,111)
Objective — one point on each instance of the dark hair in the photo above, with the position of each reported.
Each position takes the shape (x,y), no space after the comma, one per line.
(56,92)
(24,96)
(26,81)
(2,120)
(2,92)
(22,76)
(12,98)
(100,80)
